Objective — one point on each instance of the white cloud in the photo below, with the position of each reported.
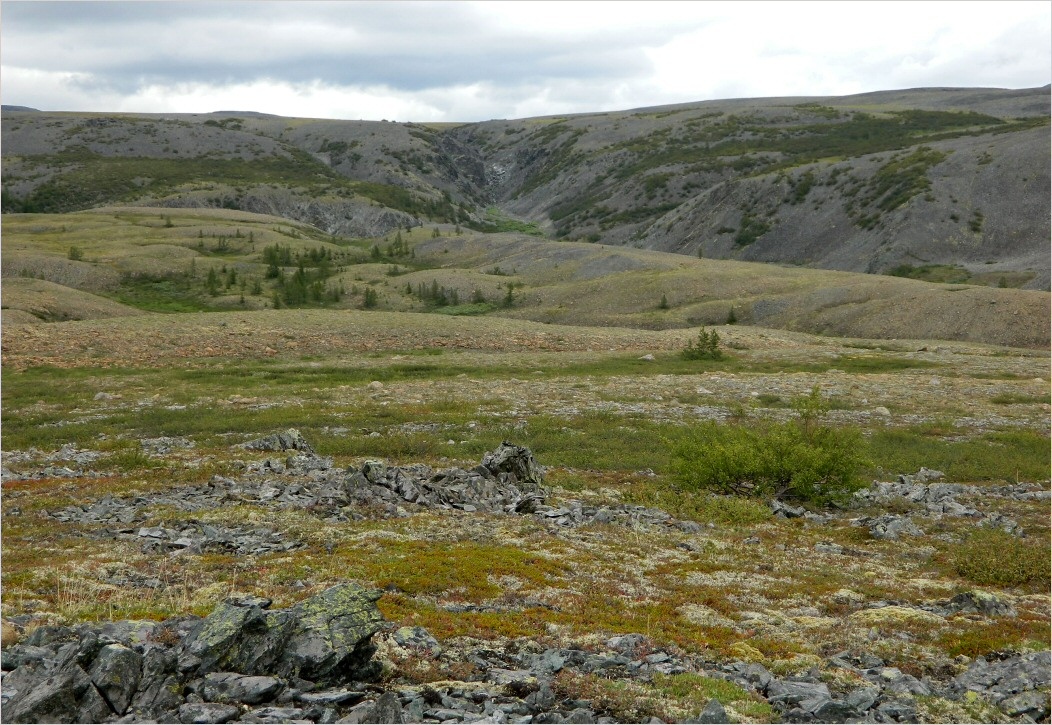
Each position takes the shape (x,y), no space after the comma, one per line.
(472,61)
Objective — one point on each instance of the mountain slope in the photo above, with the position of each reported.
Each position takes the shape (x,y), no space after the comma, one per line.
(930,183)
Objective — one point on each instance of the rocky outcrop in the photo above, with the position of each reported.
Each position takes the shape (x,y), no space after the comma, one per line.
(191,669)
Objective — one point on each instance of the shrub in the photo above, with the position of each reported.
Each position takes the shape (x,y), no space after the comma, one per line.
(663,305)
(992,557)
(76,254)
(798,460)
(706,347)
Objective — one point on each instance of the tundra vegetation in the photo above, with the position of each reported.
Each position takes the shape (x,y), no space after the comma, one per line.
(761,444)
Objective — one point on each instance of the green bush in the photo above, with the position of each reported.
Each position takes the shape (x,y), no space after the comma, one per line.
(797,460)
(992,557)
(706,347)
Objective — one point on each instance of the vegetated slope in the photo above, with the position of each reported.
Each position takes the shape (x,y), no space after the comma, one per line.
(587,284)
(27,300)
(872,183)
(939,184)
(181,260)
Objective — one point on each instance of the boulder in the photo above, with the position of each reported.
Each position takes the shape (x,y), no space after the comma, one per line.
(115,673)
(289,440)
(324,639)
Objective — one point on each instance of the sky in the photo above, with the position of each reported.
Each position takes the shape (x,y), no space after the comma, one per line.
(475,61)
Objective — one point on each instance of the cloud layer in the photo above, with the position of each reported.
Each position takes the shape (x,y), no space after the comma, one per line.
(438,61)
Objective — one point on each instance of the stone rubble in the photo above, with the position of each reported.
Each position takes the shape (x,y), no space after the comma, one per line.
(315,662)
(318,662)
(937,500)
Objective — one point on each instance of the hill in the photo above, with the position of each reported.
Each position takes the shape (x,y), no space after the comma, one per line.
(180,260)
(936,184)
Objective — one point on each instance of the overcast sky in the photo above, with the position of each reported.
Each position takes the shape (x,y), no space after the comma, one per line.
(466,61)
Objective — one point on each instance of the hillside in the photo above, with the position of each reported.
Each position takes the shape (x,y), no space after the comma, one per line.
(122,260)
(938,184)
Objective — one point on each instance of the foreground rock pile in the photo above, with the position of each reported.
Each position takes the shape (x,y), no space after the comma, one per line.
(332,658)
(314,663)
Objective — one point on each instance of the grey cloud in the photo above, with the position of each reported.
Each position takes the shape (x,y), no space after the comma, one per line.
(405,46)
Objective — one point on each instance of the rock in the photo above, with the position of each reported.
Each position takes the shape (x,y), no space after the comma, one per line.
(516,460)
(386,710)
(881,410)
(207,712)
(1009,677)
(324,638)
(712,713)
(54,698)
(116,672)
(417,638)
(980,602)
(1031,703)
(785,511)
(648,357)
(289,440)
(231,687)
(889,526)
(808,696)
(862,698)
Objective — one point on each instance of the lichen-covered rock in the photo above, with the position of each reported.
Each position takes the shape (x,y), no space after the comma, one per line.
(54,698)
(116,672)
(323,638)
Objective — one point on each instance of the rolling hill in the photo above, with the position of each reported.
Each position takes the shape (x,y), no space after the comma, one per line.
(936,184)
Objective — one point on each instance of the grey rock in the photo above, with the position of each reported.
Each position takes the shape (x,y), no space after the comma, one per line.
(1031,703)
(980,602)
(888,526)
(207,712)
(417,638)
(53,697)
(386,710)
(785,511)
(273,715)
(808,696)
(413,711)
(712,713)
(330,697)
(289,440)
(580,715)
(231,687)
(862,698)
(361,713)
(896,711)
(116,672)
(541,700)
(1009,677)
(20,654)
(515,460)
(93,707)
(324,638)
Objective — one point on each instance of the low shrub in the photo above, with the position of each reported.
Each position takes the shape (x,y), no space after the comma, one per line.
(992,557)
(799,460)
